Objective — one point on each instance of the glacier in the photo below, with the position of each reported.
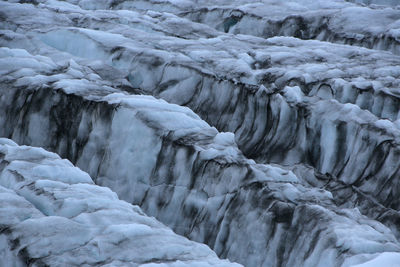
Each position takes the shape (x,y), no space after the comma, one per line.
(267,130)
(52,214)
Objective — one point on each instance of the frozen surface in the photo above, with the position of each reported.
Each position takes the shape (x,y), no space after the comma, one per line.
(266,130)
(375,26)
(179,169)
(377,2)
(52,214)
(385,259)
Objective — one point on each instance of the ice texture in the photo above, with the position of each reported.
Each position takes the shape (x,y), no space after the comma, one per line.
(179,169)
(377,2)
(266,130)
(52,214)
(375,26)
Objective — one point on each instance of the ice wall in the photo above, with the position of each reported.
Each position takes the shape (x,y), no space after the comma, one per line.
(53,215)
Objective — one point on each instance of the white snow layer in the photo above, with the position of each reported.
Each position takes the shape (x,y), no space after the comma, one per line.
(52,214)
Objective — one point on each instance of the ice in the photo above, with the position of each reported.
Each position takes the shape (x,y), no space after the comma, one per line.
(377,2)
(385,259)
(77,222)
(293,94)
(161,156)
(217,118)
(80,46)
(271,18)
(6,141)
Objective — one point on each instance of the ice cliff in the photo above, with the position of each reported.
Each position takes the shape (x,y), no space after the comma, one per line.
(269,131)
